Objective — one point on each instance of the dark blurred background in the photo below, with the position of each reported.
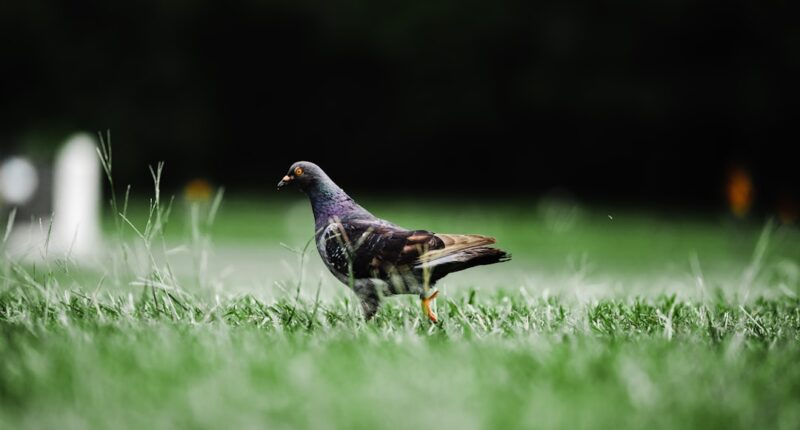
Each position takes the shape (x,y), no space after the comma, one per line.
(647,103)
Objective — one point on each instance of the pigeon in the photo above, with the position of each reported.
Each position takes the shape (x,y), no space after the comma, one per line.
(376,258)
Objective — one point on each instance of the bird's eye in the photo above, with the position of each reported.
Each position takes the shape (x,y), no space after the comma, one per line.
(298,171)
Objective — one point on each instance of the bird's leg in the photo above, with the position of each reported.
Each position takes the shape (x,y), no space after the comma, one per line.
(426,306)
(370,302)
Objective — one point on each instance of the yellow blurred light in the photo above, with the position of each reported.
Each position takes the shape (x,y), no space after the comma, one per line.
(197,190)
(740,191)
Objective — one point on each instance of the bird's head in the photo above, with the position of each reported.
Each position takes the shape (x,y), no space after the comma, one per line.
(303,174)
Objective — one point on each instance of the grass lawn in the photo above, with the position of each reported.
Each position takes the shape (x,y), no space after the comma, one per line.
(604,319)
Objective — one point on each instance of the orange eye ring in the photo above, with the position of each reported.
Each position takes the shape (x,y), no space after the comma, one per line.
(298,171)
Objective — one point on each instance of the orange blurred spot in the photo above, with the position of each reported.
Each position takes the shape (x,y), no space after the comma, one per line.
(740,191)
(197,190)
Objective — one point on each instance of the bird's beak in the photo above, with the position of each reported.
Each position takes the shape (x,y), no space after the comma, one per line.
(286,179)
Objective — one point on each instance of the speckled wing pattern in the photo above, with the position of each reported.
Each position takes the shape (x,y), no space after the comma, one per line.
(374,248)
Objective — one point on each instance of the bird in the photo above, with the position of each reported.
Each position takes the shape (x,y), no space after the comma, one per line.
(377,258)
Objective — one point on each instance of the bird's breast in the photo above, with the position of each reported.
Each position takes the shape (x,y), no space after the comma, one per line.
(333,251)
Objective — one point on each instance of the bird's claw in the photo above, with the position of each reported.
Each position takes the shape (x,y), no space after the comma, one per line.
(426,307)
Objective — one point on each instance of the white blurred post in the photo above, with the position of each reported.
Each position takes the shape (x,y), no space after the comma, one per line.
(76,199)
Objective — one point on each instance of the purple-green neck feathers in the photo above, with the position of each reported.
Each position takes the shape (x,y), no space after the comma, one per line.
(329,201)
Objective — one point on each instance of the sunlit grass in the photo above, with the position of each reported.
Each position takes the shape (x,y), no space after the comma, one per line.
(73,360)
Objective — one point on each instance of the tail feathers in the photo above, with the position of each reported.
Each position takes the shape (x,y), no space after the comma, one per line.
(463,259)
(454,243)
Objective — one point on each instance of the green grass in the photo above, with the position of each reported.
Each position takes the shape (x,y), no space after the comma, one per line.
(629,321)
(76,361)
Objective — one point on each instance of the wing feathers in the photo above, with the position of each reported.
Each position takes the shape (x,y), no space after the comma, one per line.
(373,249)
(454,243)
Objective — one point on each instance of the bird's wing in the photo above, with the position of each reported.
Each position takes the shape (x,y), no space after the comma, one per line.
(454,243)
(374,246)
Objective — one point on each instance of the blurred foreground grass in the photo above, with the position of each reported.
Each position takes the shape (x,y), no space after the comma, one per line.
(73,361)
(92,348)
